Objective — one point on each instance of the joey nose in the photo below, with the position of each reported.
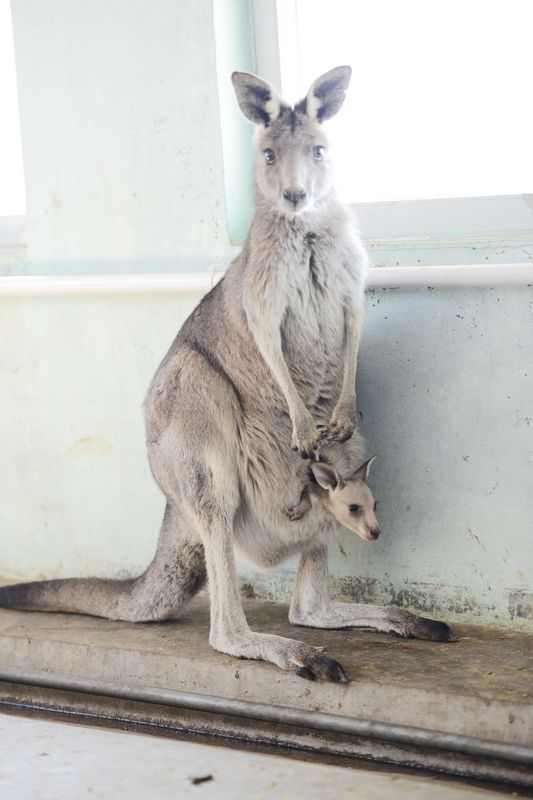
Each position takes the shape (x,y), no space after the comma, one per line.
(375,532)
(295,196)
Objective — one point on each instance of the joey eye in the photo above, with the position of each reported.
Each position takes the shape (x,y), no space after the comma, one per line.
(269,155)
(354,508)
(318,152)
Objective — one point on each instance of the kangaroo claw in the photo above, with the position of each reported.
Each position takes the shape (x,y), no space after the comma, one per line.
(342,429)
(323,668)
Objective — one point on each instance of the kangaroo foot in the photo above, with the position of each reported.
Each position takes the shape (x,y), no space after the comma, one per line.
(431,629)
(387,619)
(288,654)
(323,668)
(304,505)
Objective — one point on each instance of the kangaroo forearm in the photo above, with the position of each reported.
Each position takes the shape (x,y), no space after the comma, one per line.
(267,336)
(353,326)
(269,345)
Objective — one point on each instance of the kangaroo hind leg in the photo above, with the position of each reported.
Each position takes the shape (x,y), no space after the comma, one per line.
(214,503)
(176,573)
(312,607)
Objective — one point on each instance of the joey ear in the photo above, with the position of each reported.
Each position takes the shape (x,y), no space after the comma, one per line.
(326,475)
(327,93)
(258,100)
(361,474)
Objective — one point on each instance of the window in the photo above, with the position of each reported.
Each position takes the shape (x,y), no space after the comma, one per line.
(435,136)
(12,197)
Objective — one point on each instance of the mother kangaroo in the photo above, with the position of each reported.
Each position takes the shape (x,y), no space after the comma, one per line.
(264,363)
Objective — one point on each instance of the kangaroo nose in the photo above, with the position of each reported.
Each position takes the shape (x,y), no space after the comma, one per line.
(295,195)
(375,532)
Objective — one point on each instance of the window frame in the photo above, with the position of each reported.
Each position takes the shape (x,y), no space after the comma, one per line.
(13,226)
(464,241)
(12,245)
(434,232)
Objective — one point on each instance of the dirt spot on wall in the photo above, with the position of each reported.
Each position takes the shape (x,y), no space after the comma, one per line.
(248,591)
(521,604)
(476,538)
(359,590)
(342,551)
(89,445)
(425,597)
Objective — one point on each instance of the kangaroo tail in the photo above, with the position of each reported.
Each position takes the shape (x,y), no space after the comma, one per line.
(102,598)
(175,575)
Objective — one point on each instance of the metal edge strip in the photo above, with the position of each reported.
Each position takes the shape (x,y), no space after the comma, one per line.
(334,723)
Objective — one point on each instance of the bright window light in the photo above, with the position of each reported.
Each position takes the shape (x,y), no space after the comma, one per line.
(440,103)
(12,197)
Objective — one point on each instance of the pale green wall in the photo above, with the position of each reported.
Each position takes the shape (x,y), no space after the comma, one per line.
(121,135)
(76,493)
(446,392)
(124,164)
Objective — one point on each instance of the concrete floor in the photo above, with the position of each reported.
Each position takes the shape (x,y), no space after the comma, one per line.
(41,760)
(480,686)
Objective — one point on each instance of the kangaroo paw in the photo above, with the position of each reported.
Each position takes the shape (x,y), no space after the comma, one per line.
(323,668)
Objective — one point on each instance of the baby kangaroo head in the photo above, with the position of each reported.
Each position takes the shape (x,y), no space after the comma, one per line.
(351,502)
(292,170)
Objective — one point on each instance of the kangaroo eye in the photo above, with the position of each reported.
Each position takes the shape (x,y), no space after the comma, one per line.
(270,156)
(318,152)
(354,508)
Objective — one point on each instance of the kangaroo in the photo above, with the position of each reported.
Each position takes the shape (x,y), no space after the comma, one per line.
(265,361)
(351,502)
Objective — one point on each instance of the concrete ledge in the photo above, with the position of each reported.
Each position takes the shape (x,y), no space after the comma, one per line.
(480,686)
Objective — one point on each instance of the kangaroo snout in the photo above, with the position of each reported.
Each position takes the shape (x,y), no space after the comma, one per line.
(295,196)
(374,533)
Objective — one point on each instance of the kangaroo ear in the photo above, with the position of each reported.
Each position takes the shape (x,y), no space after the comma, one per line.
(326,475)
(361,474)
(327,93)
(257,99)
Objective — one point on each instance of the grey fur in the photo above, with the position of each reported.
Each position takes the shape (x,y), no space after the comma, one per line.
(266,360)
